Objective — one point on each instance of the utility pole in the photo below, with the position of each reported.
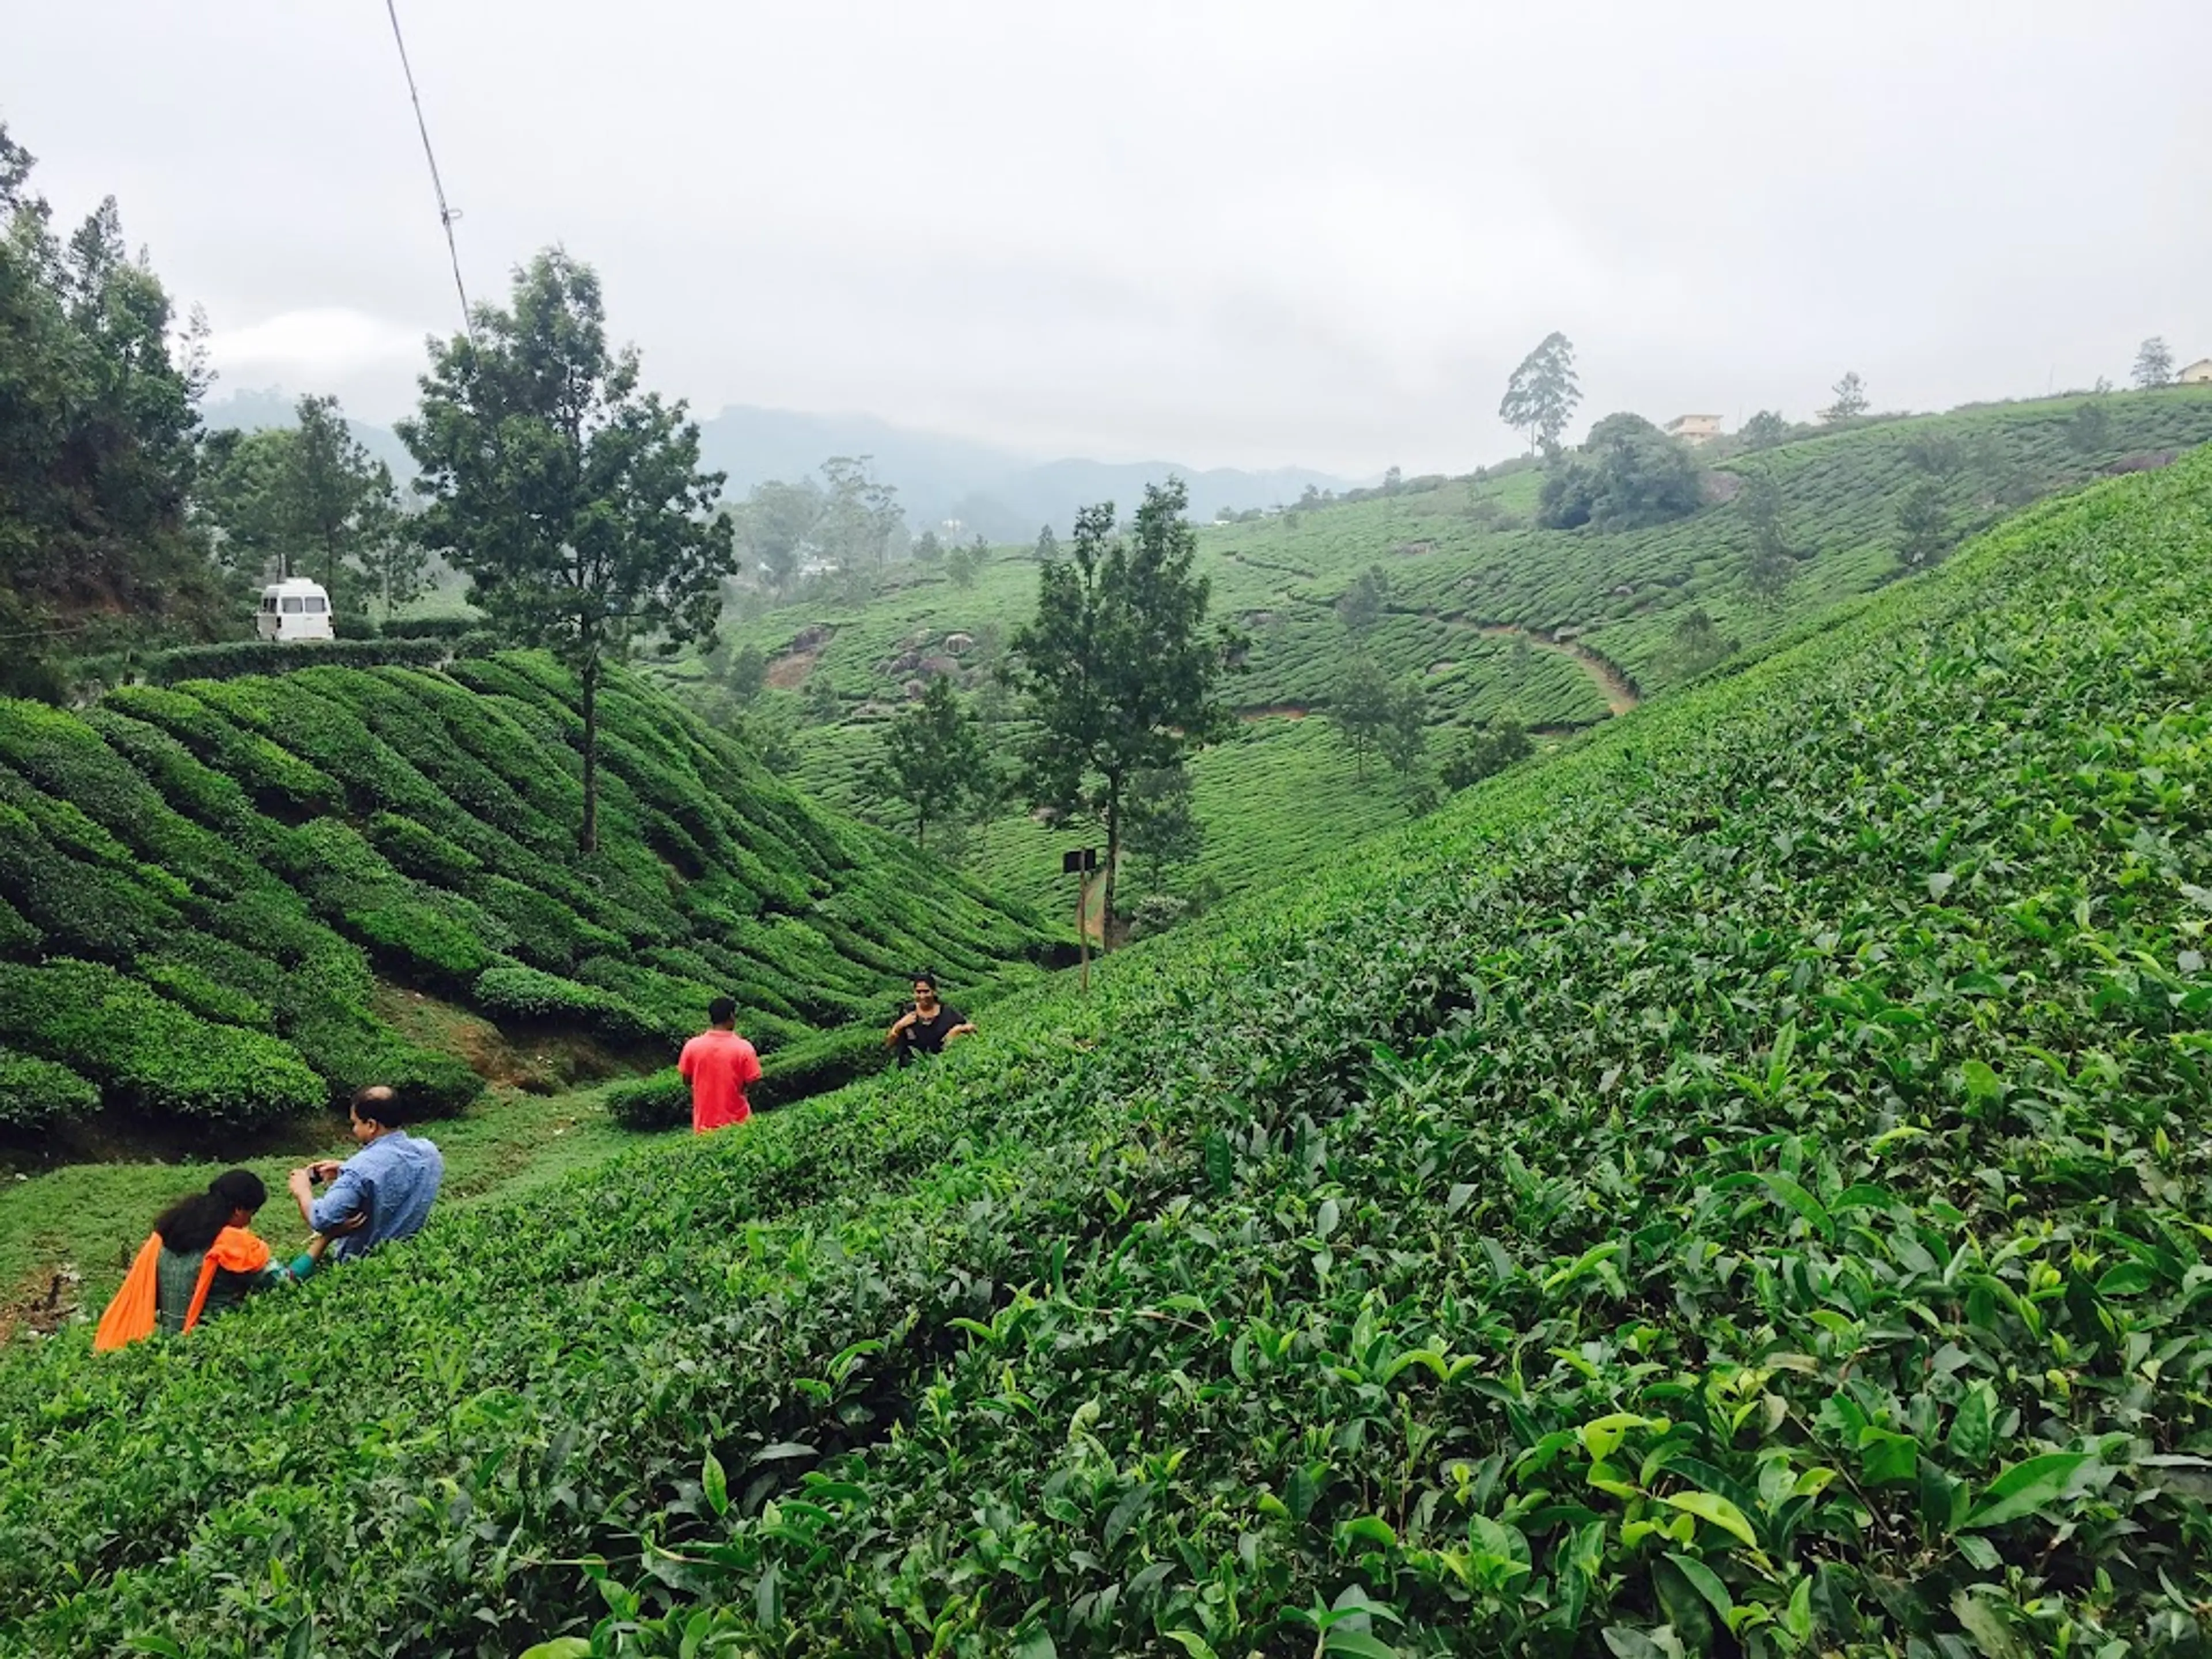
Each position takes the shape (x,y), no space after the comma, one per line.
(1081,862)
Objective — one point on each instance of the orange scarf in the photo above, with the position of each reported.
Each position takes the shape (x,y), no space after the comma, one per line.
(129,1316)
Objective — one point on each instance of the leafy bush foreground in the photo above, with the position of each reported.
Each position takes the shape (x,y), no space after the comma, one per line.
(1735,1189)
(204,884)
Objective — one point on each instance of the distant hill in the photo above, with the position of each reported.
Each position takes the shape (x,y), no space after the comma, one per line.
(251,410)
(994,492)
(1492,617)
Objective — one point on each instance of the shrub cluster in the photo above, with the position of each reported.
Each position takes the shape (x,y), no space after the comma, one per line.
(147,1051)
(252,854)
(233,659)
(35,1094)
(511,991)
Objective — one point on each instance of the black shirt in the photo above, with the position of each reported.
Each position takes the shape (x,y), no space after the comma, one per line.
(926,1036)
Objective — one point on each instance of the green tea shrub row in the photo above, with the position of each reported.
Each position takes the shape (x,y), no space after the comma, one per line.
(662,1100)
(235,659)
(1734,1189)
(796,1071)
(511,991)
(259,852)
(148,1053)
(35,1094)
(98,906)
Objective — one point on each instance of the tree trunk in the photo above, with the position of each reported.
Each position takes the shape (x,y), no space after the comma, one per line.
(1113,860)
(587,838)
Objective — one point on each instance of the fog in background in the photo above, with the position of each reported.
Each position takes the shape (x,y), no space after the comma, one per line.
(1249,234)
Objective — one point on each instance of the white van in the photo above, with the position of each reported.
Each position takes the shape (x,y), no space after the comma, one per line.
(294,608)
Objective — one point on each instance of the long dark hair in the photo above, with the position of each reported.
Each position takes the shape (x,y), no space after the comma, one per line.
(189,1225)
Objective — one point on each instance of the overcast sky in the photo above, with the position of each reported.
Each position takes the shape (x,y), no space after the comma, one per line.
(1224,234)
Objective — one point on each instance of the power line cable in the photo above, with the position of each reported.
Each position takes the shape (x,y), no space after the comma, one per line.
(445,214)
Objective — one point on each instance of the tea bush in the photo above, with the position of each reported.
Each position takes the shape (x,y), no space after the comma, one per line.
(148,1053)
(34,1093)
(235,659)
(255,854)
(794,1072)
(1737,1187)
(517,993)
(662,1100)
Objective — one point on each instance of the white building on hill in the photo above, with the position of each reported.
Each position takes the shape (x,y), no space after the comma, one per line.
(1694,428)
(2198,374)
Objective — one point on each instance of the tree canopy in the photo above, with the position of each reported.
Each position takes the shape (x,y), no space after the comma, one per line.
(1851,397)
(2154,364)
(1924,529)
(933,758)
(309,500)
(1541,393)
(1628,474)
(1163,827)
(573,498)
(1360,706)
(98,414)
(1118,667)
(1765,429)
(1773,562)
(1360,606)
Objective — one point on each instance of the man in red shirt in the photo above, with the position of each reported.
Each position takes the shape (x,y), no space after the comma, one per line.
(719,1065)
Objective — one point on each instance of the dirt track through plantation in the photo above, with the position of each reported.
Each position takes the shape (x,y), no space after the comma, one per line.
(1619,693)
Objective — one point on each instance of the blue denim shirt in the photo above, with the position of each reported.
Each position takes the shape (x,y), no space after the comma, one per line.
(391,1181)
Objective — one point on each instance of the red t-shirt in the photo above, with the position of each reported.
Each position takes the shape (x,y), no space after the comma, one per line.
(719,1065)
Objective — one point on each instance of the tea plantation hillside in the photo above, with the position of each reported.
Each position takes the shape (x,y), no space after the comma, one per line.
(1496,618)
(227,903)
(1737,1187)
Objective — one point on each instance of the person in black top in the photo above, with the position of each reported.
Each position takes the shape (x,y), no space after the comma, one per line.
(926,1027)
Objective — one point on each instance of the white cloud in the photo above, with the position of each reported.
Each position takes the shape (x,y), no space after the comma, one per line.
(1214,230)
(306,348)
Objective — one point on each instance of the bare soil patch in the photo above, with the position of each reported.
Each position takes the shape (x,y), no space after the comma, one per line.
(789,670)
(42,1302)
(536,1063)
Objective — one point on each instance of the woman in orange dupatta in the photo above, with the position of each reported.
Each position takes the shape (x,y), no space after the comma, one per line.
(200,1259)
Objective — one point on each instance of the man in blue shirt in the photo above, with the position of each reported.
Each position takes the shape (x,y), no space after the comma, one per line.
(382,1193)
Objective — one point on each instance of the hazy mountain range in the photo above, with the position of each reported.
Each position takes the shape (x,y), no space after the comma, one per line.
(992,492)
